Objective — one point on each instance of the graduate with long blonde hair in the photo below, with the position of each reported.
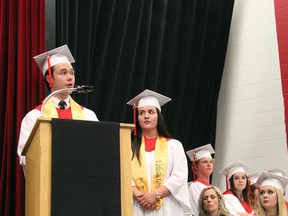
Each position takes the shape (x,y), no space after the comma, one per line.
(272,188)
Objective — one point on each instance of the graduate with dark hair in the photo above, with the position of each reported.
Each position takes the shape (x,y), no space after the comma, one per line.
(159,165)
(237,198)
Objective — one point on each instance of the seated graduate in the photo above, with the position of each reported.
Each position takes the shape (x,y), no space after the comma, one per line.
(212,203)
(272,188)
(254,190)
(237,198)
(281,172)
(203,165)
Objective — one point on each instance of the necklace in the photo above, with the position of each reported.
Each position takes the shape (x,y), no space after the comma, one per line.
(240,197)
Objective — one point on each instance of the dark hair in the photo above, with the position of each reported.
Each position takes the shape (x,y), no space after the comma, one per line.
(254,199)
(245,192)
(136,140)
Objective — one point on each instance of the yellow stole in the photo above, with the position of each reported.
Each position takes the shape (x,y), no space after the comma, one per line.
(139,173)
(51,112)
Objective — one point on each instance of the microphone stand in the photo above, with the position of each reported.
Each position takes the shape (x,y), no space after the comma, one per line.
(79,89)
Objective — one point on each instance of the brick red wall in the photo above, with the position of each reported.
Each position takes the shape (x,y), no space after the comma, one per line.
(281,14)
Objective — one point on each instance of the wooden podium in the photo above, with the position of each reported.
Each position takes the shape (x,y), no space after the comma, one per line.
(72,173)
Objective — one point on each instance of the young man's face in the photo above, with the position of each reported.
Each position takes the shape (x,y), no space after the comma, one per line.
(63,77)
(205,166)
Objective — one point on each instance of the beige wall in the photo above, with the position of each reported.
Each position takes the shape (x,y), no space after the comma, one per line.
(250,109)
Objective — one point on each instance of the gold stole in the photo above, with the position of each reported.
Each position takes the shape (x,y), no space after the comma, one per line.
(139,173)
(50,110)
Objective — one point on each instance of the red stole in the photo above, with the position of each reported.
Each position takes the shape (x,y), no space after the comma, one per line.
(202,182)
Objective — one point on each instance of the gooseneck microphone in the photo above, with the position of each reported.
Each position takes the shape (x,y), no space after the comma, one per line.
(84,89)
(77,88)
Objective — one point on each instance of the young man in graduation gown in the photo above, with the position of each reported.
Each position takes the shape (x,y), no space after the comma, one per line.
(59,74)
(203,165)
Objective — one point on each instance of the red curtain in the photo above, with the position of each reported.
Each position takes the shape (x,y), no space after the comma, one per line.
(22,87)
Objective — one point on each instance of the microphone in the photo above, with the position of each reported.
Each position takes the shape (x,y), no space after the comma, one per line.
(84,89)
(78,89)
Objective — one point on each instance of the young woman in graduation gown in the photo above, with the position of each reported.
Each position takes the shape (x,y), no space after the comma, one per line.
(237,198)
(159,165)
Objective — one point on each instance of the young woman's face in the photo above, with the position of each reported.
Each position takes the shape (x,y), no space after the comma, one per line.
(210,201)
(148,118)
(240,181)
(268,197)
(205,166)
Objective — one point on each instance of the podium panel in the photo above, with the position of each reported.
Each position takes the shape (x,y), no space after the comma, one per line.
(78,168)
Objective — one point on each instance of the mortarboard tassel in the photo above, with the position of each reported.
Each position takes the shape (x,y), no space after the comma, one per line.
(49,71)
(194,166)
(134,119)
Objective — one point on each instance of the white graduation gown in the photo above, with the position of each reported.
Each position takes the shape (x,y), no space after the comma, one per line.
(177,203)
(31,117)
(234,205)
(195,190)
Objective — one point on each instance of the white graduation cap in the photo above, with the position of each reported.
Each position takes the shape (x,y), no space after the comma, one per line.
(201,152)
(58,55)
(149,98)
(270,179)
(278,171)
(235,167)
(254,177)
